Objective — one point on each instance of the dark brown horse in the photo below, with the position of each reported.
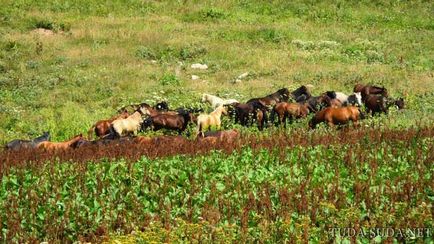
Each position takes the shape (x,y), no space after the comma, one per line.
(370,89)
(316,103)
(102,127)
(176,121)
(336,116)
(245,113)
(289,111)
(380,104)
(281,95)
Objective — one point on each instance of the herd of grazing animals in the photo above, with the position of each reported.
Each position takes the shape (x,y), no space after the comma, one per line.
(330,107)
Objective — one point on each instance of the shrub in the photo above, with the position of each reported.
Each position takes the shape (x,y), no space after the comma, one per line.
(169,79)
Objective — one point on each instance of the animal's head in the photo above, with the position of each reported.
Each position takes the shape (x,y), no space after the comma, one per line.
(162,106)
(143,109)
(46,135)
(284,94)
(224,110)
(312,123)
(358,96)
(358,88)
(400,103)
(204,98)
(330,94)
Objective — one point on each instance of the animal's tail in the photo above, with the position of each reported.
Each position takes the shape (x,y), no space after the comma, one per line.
(90,132)
(199,129)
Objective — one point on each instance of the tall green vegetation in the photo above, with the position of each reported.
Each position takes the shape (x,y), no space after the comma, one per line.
(274,194)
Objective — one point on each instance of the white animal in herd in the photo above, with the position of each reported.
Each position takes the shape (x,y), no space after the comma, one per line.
(217,101)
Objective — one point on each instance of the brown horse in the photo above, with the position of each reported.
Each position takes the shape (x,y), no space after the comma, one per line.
(336,116)
(171,121)
(56,146)
(286,110)
(380,104)
(102,127)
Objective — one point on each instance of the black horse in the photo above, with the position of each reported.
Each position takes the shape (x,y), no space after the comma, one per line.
(246,113)
(18,144)
(301,94)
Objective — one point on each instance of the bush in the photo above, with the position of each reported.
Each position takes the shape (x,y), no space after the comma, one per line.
(169,79)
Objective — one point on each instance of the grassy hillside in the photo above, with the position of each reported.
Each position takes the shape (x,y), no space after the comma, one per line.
(102,55)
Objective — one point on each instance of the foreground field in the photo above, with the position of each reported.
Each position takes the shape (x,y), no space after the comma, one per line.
(275,191)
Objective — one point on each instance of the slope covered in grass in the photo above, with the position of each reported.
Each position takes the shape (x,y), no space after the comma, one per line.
(102,55)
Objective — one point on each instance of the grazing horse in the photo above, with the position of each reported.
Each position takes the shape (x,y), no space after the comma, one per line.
(205,121)
(244,111)
(18,144)
(168,121)
(281,95)
(315,103)
(368,89)
(129,125)
(380,104)
(102,127)
(286,110)
(217,101)
(301,94)
(336,116)
(56,146)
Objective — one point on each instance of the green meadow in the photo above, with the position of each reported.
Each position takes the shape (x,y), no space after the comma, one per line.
(99,56)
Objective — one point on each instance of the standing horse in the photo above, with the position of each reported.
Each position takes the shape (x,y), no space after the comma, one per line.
(18,144)
(56,146)
(127,126)
(336,116)
(176,122)
(217,101)
(246,111)
(380,104)
(102,127)
(289,111)
(205,121)
(281,95)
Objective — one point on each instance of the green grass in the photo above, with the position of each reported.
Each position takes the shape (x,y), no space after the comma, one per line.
(100,56)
